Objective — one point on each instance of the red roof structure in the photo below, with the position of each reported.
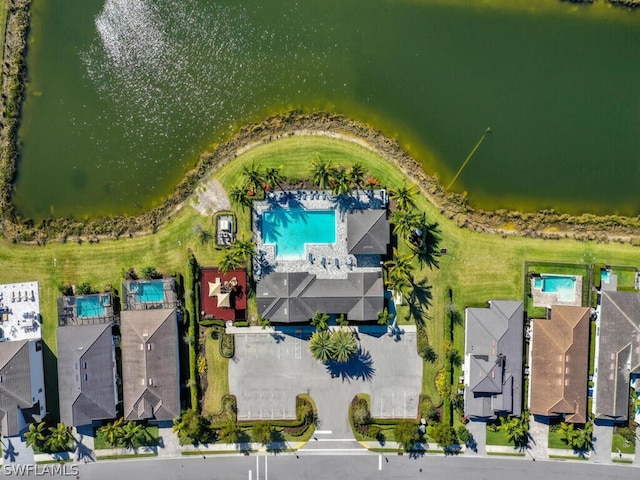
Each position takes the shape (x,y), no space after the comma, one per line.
(223,295)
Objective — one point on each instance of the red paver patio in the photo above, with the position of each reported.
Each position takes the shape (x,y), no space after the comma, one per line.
(237,300)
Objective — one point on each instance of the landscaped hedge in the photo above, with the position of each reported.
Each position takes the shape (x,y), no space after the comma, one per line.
(213,323)
(227,345)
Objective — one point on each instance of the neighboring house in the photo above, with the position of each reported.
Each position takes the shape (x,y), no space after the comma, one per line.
(493,360)
(618,354)
(150,364)
(368,232)
(296,297)
(86,374)
(22,397)
(560,364)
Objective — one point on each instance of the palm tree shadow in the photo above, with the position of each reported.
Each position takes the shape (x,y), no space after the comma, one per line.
(419,301)
(10,452)
(359,367)
(429,251)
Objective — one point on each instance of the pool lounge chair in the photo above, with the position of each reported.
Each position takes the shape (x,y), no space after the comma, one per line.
(337,263)
(310,257)
(323,262)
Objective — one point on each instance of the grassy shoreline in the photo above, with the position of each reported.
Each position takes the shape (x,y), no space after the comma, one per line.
(478,266)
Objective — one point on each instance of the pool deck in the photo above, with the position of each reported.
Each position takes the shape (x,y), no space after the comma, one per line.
(548,299)
(20,311)
(170,296)
(267,261)
(68,315)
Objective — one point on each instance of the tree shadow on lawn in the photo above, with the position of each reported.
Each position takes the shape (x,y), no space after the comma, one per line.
(420,301)
(429,253)
(359,367)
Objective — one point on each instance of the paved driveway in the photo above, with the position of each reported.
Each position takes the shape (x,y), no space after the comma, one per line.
(269,370)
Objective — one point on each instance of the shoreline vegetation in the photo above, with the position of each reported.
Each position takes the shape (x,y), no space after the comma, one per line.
(541,224)
(547,224)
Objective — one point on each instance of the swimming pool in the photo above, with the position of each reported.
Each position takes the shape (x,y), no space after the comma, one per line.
(89,307)
(148,292)
(605,276)
(556,283)
(291,229)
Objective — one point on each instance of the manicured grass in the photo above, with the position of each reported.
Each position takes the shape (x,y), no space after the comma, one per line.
(498,438)
(567,457)
(506,454)
(123,457)
(217,376)
(151,431)
(619,444)
(478,267)
(555,441)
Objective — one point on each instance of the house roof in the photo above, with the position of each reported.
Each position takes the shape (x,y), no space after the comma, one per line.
(295,297)
(367,232)
(560,364)
(618,353)
(86,369)
(493,362)
(150,364)
(15,384)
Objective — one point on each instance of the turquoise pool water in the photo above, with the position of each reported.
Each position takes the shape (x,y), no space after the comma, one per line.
(605,276)
(291,229)
(557,283)
(89,307)
(148,292)
(539,282)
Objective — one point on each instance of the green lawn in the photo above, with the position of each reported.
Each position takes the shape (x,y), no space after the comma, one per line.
(555,441)
(498,438)
(4,10)
(619,443)
(217,376)
(151,431)
(478,266)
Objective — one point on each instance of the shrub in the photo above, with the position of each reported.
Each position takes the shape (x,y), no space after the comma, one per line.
(428,410)
(202,365)
(463,434)
(443,385)
(227,346)
(212,323)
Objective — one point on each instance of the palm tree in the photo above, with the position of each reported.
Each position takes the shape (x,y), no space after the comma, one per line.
(273,178)
(404,196)
(320,321)
(264,322)
(254,179)
(404,222)
(262,433)
(345,345)
(399,268)
(321,173)
(231,259)
(112,432)
(59,437)
(341,186)
(356,174)
(230,432)
(134,434)
(516,430)
(36,437)
(244,248)
(321,346)
(384,317)
(240,196)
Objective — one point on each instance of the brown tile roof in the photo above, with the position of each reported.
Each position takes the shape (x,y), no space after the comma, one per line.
(560,364)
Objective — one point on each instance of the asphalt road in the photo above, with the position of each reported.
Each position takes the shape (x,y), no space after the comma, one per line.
(348,467)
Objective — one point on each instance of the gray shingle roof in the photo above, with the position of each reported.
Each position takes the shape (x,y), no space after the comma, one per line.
(150,364)
(295,297)
(15,384)
(86,374)
(618,353)
(493,363)
(367,232)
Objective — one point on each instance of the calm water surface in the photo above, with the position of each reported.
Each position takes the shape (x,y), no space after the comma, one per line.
(124,94)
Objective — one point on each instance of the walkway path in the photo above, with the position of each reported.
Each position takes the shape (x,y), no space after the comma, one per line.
(539,444)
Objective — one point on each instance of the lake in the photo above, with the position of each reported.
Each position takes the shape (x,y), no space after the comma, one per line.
(123,95)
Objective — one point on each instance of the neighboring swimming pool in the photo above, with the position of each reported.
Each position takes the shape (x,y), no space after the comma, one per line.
(148,292)
(91,306)
(563,285)
(291,229)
